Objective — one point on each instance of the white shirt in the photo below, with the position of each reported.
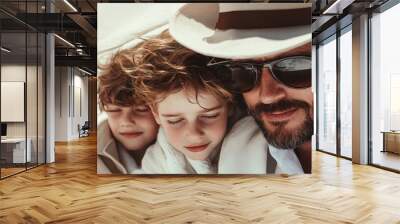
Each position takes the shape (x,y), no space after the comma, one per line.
(244,151)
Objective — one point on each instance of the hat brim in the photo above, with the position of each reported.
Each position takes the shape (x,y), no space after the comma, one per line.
(193,27)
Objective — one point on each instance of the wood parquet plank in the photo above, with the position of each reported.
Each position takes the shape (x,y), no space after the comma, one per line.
(10,171)
(70,191)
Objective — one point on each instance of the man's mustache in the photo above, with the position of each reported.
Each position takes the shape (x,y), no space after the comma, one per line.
(279,106)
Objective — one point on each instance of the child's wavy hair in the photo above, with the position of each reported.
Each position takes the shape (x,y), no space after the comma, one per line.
(115,86)
(161,66)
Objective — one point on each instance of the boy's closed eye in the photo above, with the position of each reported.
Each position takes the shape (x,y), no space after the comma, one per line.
(112,109)
(210,116)
(142,109)
(175,121)
(205,116)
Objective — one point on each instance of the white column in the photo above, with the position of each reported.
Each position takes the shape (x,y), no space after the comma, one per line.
(314,90)
(50,98)
(360,90)
(50,92)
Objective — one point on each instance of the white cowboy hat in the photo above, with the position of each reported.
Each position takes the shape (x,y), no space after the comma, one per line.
(242,30)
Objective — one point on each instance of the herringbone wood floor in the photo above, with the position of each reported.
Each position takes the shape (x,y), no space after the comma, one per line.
(70,191)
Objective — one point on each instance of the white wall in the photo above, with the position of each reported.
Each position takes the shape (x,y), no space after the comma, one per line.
(61,103)
(33,126)
(13,73)
(69,82)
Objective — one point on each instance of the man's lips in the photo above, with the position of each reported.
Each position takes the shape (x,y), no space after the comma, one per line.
(131,134)
(278,116)
(197,148)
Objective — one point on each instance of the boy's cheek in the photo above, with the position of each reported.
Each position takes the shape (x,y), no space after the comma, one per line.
(218,128)
(156,119)
(111,115)
(174,136)
(155,115)
(149,125)
(113,127)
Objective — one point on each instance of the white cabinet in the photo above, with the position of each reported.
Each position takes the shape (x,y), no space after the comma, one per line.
(13,150)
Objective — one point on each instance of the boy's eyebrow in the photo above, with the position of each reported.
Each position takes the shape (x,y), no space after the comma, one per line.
(205,109)
(170,115)
(213,108)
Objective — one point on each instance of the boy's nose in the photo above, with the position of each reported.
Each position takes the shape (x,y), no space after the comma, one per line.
(194,130)
(126,121)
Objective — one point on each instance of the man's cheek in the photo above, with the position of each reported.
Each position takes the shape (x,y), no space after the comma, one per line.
(250,98)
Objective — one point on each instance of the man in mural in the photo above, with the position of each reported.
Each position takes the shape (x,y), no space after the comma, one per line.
(266,50)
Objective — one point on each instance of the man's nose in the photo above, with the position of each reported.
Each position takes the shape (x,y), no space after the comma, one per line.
(271,90)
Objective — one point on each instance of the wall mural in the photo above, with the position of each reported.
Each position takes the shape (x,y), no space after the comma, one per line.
(210,88)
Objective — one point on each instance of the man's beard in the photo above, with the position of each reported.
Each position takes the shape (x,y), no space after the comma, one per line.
(280,137)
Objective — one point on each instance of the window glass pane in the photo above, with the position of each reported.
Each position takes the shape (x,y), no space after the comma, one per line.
(385,84)
(14,153)
(346,94)
(327,96)
(41,98)
(23,84)
(31,97)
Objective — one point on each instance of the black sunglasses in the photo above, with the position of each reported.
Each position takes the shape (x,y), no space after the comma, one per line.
(294,72)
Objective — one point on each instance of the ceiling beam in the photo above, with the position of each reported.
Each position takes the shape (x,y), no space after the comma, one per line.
(84,24)
(85,61)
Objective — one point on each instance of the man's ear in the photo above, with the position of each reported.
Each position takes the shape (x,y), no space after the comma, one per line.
(154,111)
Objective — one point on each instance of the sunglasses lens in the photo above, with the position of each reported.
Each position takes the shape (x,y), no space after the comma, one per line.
(294,72)
(243,77)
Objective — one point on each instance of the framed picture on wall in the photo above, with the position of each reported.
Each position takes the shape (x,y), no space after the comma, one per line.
(210,88)
(12,101)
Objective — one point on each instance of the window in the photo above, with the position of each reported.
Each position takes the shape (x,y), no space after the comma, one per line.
(385,89)
(327,95)
(23,76)
(346,92)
